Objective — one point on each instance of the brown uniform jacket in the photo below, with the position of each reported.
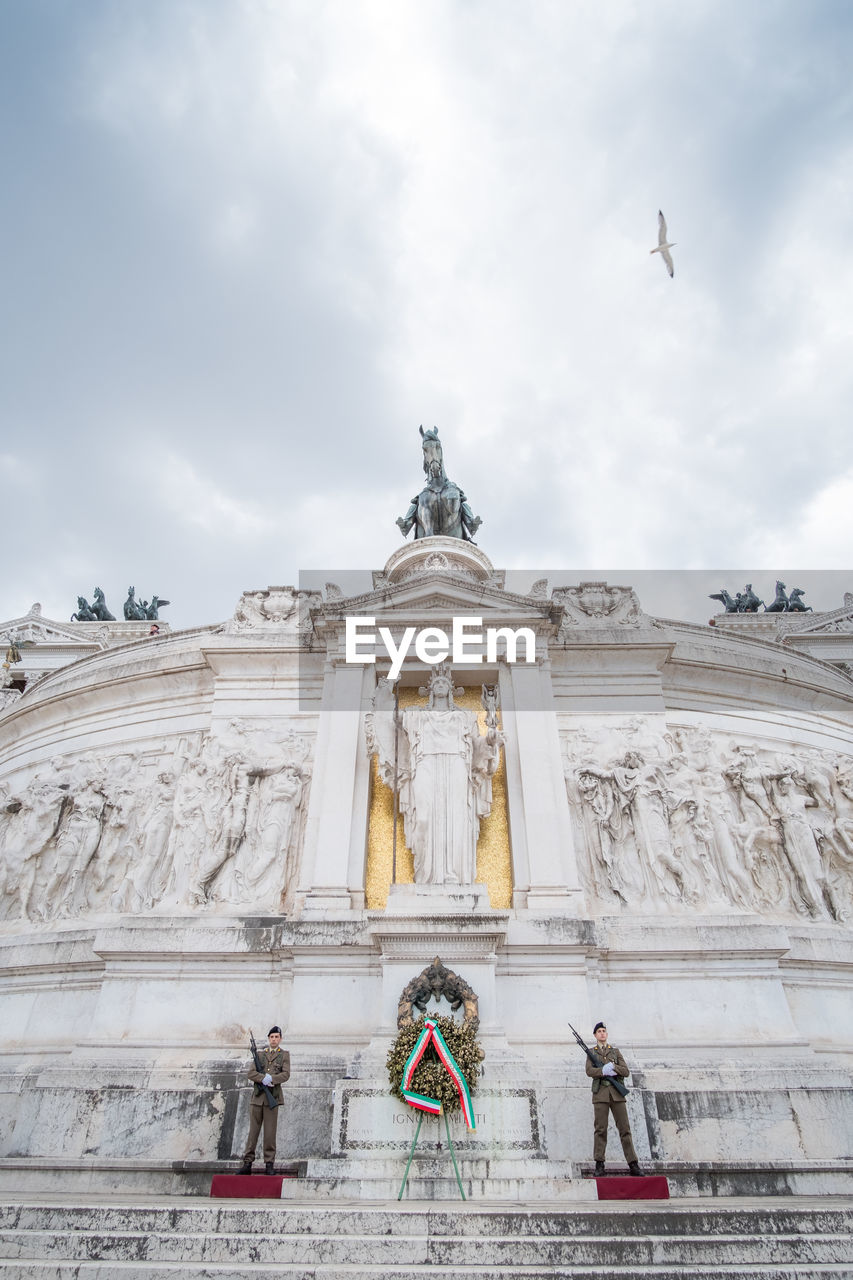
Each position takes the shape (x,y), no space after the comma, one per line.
(276,1065)
(607,1054)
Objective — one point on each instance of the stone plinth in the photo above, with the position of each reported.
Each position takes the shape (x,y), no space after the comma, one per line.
(368,1120)
(504,1157)
(439,555)
(412,900)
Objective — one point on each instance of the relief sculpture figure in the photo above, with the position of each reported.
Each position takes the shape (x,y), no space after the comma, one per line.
(280,795)
(599,795)
(32,819)
(643,789)
(837,848)
(691,834)
(799,841)
(262,865)
(147,877)
(76,844)
(621,857)
(725,853)
(638,822)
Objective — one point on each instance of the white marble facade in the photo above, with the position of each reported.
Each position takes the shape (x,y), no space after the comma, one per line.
(183,843)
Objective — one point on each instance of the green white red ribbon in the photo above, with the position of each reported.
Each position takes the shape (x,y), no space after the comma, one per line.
(432,1035)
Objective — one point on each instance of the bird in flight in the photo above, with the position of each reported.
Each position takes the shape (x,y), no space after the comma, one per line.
(663,246)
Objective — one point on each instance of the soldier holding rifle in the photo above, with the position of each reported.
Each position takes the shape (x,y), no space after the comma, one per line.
(270,1069)
(607,1068)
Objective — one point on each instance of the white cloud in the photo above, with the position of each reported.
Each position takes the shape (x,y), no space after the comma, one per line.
(820,536)
(195,499)
(287,234)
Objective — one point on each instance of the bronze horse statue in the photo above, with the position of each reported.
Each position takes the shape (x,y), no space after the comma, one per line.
(84,611)
(795,602)
(441,509)
(780,604)
(746,601)
(133,610)
(99,607)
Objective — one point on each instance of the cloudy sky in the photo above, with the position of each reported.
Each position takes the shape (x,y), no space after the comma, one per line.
(250,245)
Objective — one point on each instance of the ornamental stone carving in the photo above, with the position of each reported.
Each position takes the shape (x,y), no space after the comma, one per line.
(8,692)
(434,983)
(270,608)
(686,823)
(218,824)
(597,604)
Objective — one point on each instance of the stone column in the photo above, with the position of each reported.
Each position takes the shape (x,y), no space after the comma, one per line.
(328,833)
(545,870)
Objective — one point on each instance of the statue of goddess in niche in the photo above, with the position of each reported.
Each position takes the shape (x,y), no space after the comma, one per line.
(444,772)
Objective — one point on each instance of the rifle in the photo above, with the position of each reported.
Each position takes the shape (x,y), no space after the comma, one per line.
(271,1102)
(596,1062)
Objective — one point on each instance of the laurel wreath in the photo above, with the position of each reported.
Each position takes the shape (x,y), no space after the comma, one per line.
(431,1077)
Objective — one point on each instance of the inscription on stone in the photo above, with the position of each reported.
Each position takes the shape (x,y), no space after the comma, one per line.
(369,1119)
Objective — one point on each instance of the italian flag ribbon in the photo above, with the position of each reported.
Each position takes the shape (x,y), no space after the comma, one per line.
(432,1035)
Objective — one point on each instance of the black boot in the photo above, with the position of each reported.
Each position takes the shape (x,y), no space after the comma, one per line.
(599,1169)
(269,1167)
(245,1168)
(635,1170)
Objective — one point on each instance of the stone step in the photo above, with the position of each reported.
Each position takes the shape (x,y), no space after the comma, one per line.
(431,1179)
(183,1215)
(11,1270)
(778,1240)
(493,1252)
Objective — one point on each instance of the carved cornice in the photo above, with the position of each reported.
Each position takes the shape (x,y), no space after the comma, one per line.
(442,589)
(466,936)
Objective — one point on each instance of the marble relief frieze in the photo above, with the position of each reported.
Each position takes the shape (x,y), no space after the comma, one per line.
(685,820)
(215,825)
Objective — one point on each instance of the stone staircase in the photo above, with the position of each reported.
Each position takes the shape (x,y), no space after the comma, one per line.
(107,1238)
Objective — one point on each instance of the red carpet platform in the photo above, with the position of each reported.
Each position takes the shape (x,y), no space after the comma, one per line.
(652,1187)
(260,1186)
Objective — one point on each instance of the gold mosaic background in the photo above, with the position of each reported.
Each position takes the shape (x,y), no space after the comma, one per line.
(494,861)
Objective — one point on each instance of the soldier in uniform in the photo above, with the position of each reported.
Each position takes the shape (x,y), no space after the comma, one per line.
(606,1099)
(275,1062)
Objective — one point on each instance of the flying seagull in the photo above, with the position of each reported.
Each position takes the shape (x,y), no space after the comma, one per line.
(663,245)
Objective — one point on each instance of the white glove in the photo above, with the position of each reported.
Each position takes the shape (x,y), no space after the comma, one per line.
(608,1069)
(267,1080)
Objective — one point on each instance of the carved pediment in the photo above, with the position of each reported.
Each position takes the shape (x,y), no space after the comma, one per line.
(838,621)
(33,629)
